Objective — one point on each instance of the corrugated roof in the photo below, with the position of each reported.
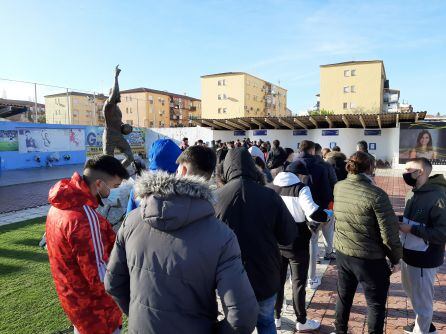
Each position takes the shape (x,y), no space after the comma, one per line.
(155,91)
(19,103)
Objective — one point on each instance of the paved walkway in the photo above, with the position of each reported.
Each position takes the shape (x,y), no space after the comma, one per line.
(28,188)
(31,175)
(322,302)
(399,309)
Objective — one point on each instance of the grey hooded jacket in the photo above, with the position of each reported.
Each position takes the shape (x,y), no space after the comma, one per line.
(171,255)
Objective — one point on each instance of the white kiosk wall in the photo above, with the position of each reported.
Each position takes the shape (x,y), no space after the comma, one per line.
(387,143)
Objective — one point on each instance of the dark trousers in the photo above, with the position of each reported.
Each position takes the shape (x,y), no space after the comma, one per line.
(374,276)
(299,261)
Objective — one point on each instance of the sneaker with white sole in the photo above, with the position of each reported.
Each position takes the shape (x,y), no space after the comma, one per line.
(313,284)
(278,323)
(309,326)
(409,329)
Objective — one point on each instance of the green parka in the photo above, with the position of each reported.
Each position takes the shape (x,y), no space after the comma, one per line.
(366,225)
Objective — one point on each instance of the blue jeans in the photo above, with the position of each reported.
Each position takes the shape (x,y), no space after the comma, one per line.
(265,319)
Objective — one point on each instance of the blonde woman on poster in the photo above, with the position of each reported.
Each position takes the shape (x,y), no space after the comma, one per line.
(423,148)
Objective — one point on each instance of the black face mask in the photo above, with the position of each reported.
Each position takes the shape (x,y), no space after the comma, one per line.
(408,178)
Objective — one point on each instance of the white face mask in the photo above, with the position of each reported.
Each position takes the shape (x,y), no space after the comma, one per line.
(113,198)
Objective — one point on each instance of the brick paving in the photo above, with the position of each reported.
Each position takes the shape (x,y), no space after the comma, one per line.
(399,309)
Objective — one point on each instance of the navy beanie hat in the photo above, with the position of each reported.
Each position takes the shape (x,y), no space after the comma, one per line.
(163,156)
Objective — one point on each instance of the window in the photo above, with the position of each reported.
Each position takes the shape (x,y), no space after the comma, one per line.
(346,89)
(219,82)
(224,110)
(219,96)
(223,82)
(345,105)
(353,89)
(150,99)
(353,73)
(346,73)
(219,110)
(224,96)
(126,110)
(352,105)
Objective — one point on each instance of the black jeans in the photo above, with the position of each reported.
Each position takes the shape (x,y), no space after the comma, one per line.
(374,276)
(299,261)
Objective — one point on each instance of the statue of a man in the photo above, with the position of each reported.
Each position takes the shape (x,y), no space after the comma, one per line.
(114,128)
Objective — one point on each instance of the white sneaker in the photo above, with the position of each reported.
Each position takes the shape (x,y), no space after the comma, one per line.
(309,326)
(278,323)
(313,284)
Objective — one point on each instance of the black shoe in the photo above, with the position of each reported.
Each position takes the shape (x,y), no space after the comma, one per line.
(409,329)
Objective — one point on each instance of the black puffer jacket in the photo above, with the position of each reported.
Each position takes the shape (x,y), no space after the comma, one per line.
(170,256)
(338,161)
(320,182)
(259,218)
(276,157)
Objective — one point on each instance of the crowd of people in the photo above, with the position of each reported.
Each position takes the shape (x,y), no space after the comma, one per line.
(226,223)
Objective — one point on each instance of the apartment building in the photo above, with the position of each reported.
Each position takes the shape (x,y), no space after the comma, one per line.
(356,87)
(149,108)
(239,94)
(75,108)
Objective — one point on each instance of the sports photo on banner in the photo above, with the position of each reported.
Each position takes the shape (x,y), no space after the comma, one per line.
(50,140)
(8,140)
(423,140)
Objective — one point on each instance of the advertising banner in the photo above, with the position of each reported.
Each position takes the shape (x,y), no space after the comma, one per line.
(239,133)
(9,140)
(300,132)
(93,135)
(330,132)
(50,140)
(427,140)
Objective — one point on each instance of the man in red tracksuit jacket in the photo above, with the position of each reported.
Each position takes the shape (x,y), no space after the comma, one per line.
(79,242)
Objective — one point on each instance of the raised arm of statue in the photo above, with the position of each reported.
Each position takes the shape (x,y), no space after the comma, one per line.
(115,96)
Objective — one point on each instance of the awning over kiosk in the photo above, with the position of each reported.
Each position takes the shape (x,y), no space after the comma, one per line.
(372,121)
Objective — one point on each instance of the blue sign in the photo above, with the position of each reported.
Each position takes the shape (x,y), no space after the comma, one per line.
(330,132)
(260,132)
(241,133)
(301,132)
(372,146)
(372,132)
(332,144)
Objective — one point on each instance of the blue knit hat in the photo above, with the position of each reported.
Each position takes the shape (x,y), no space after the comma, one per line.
(163,155)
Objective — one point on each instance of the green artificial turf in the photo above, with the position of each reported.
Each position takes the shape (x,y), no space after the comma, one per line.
(28,300)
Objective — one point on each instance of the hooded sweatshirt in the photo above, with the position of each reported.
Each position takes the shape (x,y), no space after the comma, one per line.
(259,218)
(425,210)
(320,183)
(171,255)
(79,242)
(298,199)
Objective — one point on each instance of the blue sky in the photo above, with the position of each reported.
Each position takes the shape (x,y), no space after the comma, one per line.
(168,45)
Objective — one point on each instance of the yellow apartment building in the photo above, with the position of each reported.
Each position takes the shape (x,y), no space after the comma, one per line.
(356,87)
(149,108)
(75,108)
(239,94)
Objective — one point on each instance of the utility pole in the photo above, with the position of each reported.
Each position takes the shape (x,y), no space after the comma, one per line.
(94,110)
(35,102)
(137,111)
(67,119)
